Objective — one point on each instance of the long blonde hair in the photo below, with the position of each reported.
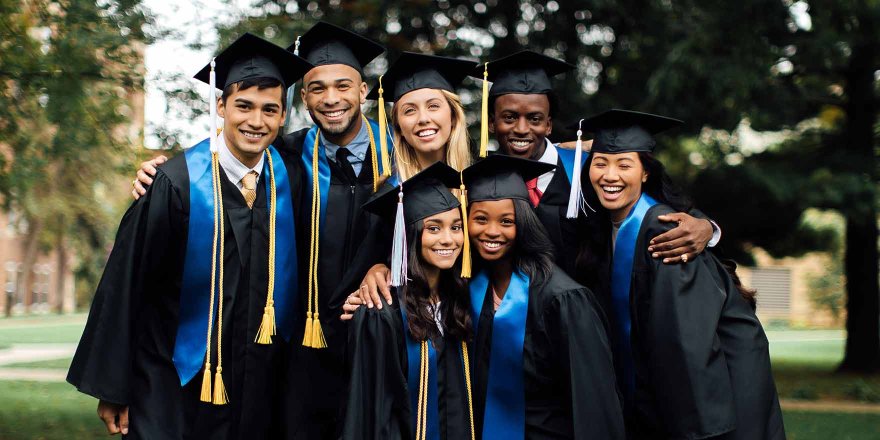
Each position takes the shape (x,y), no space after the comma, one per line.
(458,150)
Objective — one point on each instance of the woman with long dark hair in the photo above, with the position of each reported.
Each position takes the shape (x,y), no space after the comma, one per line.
(691,357)
(409,361)
(542,363)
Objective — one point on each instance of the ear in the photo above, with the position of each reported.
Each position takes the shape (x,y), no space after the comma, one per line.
(492,123)
(549,126)
(363,92)
(221,108)
(302,96)
(644,176)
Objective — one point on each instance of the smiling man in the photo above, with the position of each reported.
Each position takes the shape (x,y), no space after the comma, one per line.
(178,343)
(522,105)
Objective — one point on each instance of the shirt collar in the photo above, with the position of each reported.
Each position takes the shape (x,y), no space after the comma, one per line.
(233,167)
(358,146)
(550,155)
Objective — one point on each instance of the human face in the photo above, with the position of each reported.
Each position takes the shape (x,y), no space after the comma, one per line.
(617,180)
(425,121)
(333,95)
(251,120)
(492,228)
(442,239)
(520,124)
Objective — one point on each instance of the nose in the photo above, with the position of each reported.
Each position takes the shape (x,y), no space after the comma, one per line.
(445,237)
(492,230)
(256,119)
(332,97)
(521,127)
(423,118)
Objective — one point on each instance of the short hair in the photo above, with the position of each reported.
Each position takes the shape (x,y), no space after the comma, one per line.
(262,82)
(551,96)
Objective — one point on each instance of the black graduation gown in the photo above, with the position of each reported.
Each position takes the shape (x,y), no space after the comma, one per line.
(551,212)
(379,405)
(125,354)
(570,389)
(316,377)
(700,354)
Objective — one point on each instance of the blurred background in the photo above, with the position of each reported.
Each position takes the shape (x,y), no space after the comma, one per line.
(780,147)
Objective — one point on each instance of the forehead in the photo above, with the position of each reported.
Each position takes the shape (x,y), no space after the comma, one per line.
(331,73)
(523,103)
(617,157)
(419,96)
(254,94)
(445,216)
(493,206)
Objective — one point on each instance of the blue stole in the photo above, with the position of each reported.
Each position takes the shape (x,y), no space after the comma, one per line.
(621,281)
(414,362)
(505,412)
(567,158)
(324,166)
(192,330)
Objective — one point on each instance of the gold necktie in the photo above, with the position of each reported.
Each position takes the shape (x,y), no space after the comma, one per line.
(249,188)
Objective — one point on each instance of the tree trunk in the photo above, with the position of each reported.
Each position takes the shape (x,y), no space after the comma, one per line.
(60,272)
(861,255)
(25,278)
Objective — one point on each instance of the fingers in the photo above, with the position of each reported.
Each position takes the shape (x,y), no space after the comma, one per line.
(663,241)
(134,194)
(351,305)
(108,415)
(682,259)
(674,248)
(149,167)
(123,421)
(144,177)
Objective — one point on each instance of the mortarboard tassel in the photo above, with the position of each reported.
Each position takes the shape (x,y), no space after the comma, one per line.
(288,106)
(267,325)
(576,196)
(374,153)
(383,133)
(212,139)
(220,397)
(484,114)
(466,247)
(398,248)
(212,97)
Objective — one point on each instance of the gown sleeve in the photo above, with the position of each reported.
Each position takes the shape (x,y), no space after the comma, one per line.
(377,407)
(687,366)
(101,366)
(584,355)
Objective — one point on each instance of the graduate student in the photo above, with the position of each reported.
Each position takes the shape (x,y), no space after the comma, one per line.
(692,358)
(410,362)
(188,326)
(543,365)
(519,110)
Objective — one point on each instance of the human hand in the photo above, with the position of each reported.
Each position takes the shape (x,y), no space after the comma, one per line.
(682,243)
(115,417)
(145,176)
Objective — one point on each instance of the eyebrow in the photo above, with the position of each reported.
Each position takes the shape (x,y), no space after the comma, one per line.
(336,81)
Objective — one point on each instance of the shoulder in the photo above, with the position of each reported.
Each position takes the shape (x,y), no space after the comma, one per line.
(291,143)
(174,172)
(651,225)
(559,285)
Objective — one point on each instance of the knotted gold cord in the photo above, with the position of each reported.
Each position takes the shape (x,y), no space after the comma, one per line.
(484,114)
(467,382)
(206,376)
(313,336)
(373,155)
(383,131)
(422,415)
(267,325)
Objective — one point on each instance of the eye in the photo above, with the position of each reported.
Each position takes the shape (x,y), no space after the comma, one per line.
(409,111)
(507,221)
(481,219)
(242,106)
(625,166)
(457,227)
(434,106)
(598,165)
(271,111)
(344,87)
(433,229)
(316,90)
(536,119)
(509,118)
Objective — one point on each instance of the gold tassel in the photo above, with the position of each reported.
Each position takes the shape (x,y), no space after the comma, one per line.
(373,153)
(206,384)
(383,133)
(484,114)
(220,397)
(466,249)
(467,381)
(318,340)
(307,335)
(267,325)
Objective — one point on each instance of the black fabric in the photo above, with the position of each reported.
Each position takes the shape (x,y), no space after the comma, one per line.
(413,71)
(525,72)
(701,356)
(125,354)
(345,164)
(251,57)
(501,176)
(562,231)
(325,44)
(569,374)
(379,405)
(350,242)
(624,131)
(424,194)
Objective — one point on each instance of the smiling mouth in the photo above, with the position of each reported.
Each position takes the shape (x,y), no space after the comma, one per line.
(519,145)
(252,134)
(444,252)
(334,113)
(612,189)
(426,133)
(491,245)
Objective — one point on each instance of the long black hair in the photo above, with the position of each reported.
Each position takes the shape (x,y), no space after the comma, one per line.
(416,295)
(532,251)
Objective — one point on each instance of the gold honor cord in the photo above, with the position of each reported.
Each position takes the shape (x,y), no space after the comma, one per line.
(467,382)
(206,376)
(373,154)
(484,114)
(267,325)
(422,416)
(313,336)
(383,131)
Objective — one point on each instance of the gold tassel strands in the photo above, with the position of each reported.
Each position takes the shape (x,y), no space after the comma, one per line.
(313,336)
(383,132)
(484,114)
(219,397)
(466,250)
(467,382)
(373,153)
(267,325)
(422,414)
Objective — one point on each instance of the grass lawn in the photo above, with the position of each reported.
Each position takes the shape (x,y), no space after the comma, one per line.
(831,426)
(45,329)
(60,364)
(39,410)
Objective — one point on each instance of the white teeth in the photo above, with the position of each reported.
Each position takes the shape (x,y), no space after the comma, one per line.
(520,144)
(252,135)
(612,189)
(334,114)
(426,133)
(492,244)
(443,252)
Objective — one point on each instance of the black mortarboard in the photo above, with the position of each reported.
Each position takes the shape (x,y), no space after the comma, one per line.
(253,57)
(413,71)
(424,194)
(624,131)
(326,44)
(524,72)
(500,177)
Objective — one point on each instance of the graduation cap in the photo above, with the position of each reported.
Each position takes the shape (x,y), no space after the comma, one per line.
(500,176)
(413,71)
(623,131)
(251,57)
(325,44)
(421,196)
(525,72)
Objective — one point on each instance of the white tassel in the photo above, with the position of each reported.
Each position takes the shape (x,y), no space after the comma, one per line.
(212,96)
(398,249)
(296,46)
(576,196)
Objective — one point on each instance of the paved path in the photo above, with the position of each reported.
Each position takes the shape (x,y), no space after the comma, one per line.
(830,406)
(20,353)
(34,374)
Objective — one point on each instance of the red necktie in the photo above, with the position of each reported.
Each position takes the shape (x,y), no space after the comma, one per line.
(534,193)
